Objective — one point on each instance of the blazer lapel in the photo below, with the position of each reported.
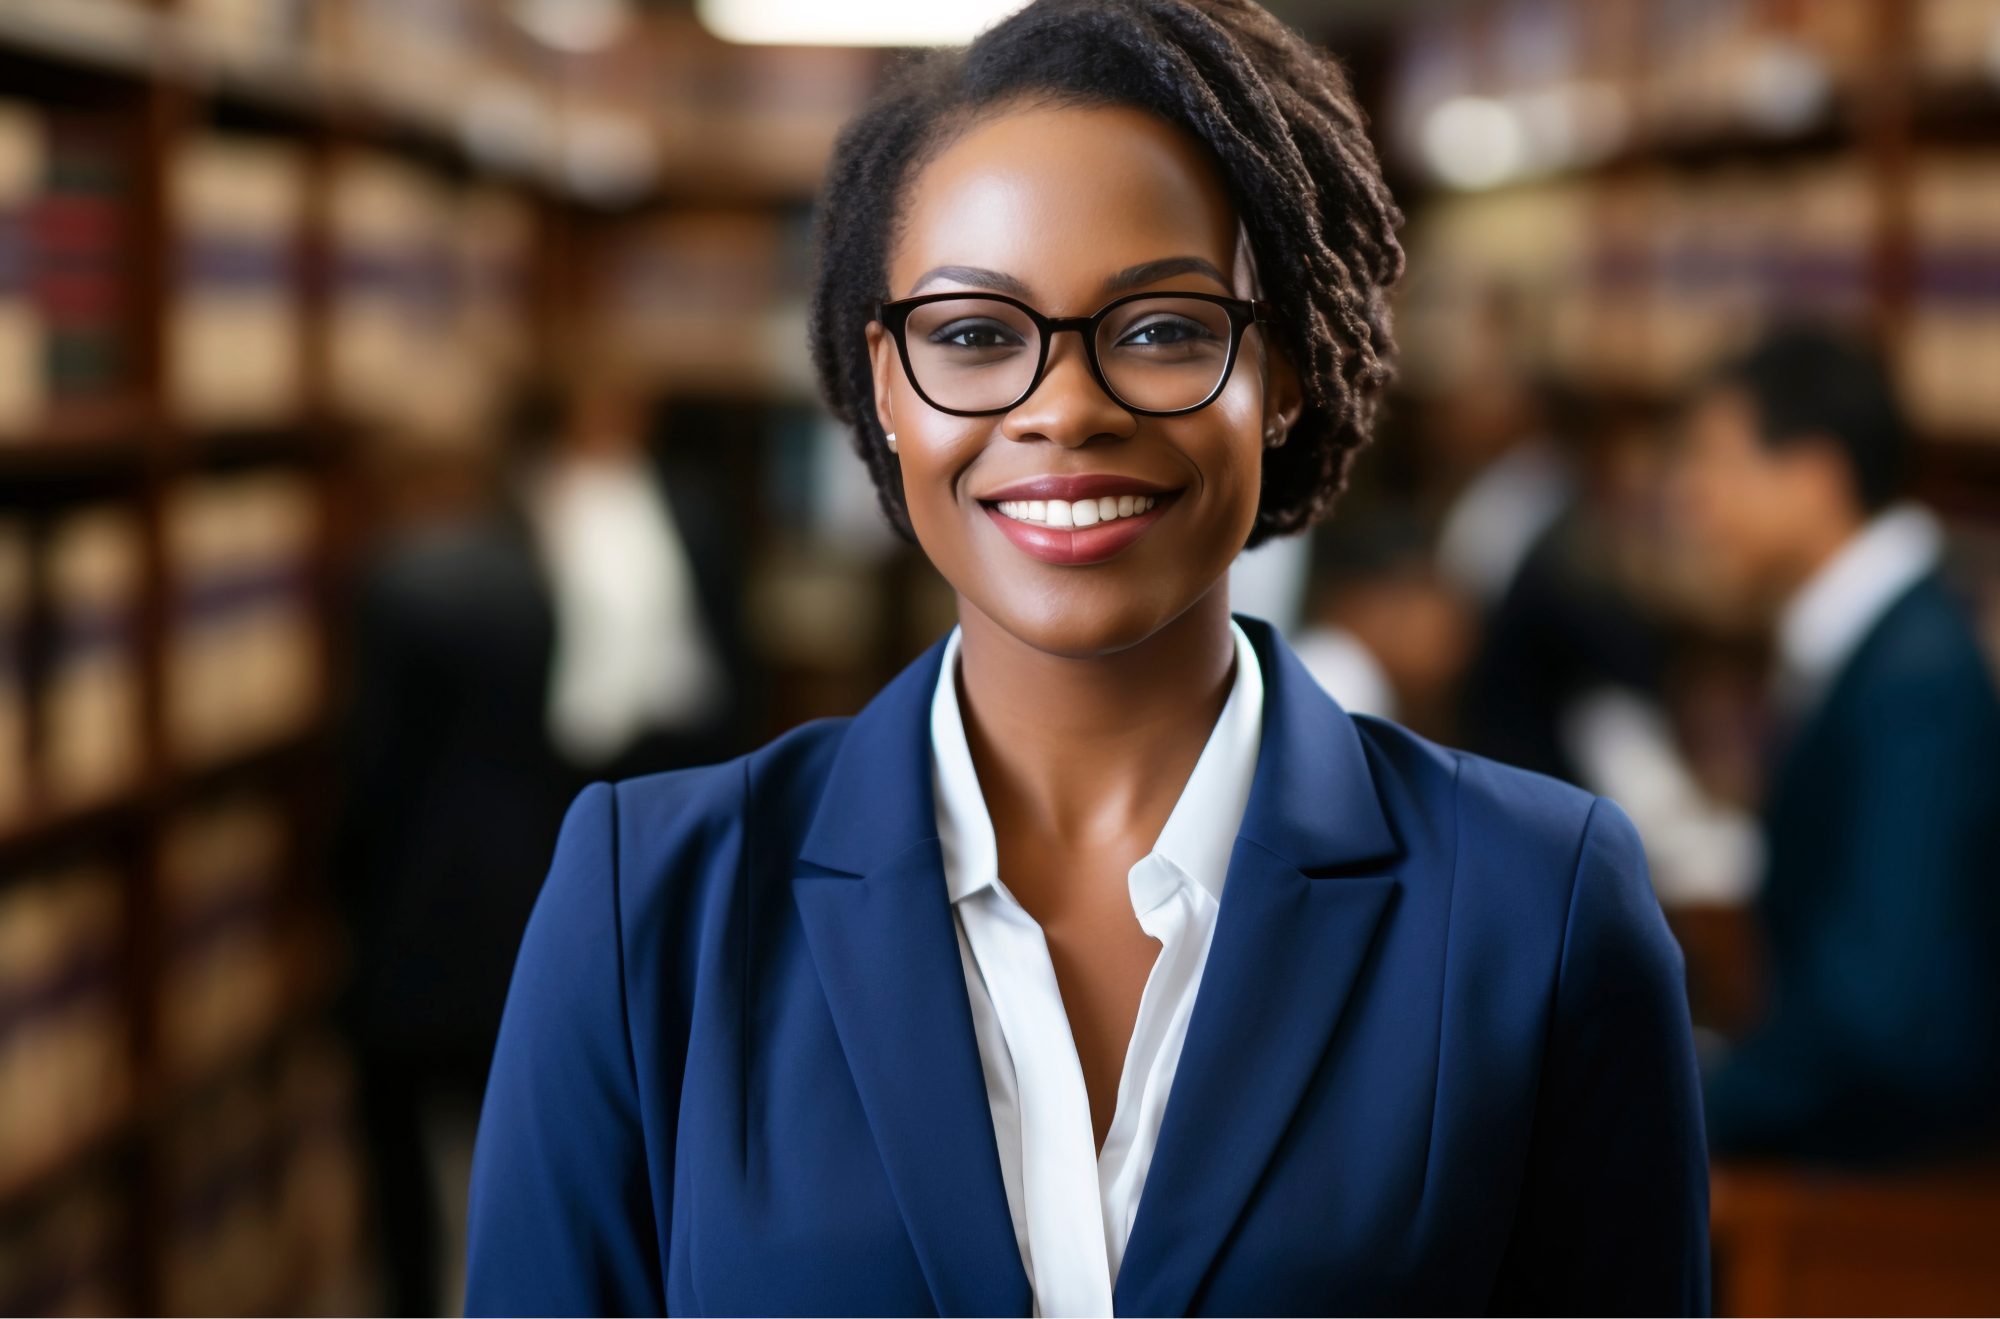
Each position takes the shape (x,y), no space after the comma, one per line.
(1288,950)
(880,929)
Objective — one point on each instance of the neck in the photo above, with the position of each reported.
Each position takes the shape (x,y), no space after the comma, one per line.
(1074,749)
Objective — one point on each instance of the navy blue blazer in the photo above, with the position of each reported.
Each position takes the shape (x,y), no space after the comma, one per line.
(1881,909)
(1440,1062)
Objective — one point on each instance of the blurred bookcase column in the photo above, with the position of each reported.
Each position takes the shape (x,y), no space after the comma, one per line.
(247,248)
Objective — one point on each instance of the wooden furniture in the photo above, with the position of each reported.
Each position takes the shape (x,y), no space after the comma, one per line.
(1797,1242)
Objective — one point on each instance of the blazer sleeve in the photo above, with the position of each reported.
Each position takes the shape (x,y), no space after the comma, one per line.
(561,1216)
(1613,1216)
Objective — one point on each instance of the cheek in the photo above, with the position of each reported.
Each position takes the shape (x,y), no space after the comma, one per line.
(1225,442)
(935,450)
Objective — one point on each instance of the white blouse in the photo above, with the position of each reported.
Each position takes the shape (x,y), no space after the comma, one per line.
(1073,1207)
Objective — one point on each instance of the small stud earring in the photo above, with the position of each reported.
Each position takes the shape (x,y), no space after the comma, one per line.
(892,441)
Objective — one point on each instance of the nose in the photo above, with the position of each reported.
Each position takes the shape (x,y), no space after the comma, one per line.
(1068,407)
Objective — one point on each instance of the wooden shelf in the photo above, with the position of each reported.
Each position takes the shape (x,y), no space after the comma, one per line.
(54,829)
(110,1136)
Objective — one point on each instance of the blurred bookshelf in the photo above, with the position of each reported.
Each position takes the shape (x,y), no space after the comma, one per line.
(1674,175)
(246,246)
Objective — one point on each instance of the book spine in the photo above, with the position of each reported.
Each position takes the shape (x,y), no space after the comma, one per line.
(23,151)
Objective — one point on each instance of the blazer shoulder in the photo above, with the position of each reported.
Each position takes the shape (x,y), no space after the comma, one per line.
(1923,645)
(1493,804)
(1522,846)
(666,823)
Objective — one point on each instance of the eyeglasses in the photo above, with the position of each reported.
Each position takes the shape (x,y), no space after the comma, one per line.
(1157,354)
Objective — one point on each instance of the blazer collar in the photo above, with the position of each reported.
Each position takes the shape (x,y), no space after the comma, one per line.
(1291,942)
(1313,801)
(880,930)
(877,800)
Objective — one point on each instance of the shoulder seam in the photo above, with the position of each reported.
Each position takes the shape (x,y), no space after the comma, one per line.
(618,930)
(1575,887)
(745,886)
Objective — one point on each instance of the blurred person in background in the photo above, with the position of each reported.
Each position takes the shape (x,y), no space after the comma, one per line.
(1386,637)
(1881,906)
(453,795)
(508,647)
(1556,539)
(637,682)
(1530,542)
(1489,435)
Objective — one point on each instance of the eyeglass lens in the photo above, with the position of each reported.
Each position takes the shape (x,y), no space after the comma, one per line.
(1158,354)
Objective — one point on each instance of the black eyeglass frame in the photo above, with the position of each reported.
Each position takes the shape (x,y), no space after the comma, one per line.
(894,317)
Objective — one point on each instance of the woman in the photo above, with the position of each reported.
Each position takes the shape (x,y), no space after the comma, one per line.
(1102,962)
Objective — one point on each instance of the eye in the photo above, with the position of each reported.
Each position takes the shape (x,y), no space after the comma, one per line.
(976,335)
(1165,332)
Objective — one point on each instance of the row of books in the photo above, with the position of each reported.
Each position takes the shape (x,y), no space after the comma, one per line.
(599,100)
(428,304)
(263,1195)
(229,959)
(65,1041)
(712,299)
(65,271)
(71,1253)
(261,1204)
(1951,344)
(231,962)
(1567,82)
(1642,280)
(242,662)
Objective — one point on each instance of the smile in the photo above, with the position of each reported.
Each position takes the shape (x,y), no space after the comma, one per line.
(1076,513)
(1076,520)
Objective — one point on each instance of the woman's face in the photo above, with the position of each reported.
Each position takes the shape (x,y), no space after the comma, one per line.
(1065,209)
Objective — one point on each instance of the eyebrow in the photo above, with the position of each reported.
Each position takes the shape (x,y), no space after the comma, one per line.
(1146,272)
(974,275)
(1151,272)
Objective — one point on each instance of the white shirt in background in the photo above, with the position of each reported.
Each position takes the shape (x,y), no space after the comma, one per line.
(1072,1205)
(1270,581)
(1700,851)
(1342,664)
(631,654)
(1831,615)
(1498,518)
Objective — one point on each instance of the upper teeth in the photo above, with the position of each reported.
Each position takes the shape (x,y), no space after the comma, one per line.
(1078,513)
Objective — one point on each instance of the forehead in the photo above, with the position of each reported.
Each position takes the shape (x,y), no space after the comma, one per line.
(1063,196)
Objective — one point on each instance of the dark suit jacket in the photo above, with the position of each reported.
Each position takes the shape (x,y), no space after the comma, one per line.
(1440,1061)
(453,794)
(1882,909)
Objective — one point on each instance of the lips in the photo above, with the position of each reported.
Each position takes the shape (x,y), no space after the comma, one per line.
(1133,506)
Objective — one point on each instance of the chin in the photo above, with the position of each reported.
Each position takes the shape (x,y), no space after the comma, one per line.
(1099,612)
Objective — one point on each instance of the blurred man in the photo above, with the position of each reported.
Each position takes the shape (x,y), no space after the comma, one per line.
(1881,904)
(509,646)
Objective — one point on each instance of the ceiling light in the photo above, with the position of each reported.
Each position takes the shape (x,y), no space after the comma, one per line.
(1474,142)
(852,22)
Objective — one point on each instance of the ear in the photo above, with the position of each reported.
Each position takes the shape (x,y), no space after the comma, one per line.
(1284,395)
(882,360)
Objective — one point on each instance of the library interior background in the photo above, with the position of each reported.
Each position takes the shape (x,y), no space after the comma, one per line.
(407,400)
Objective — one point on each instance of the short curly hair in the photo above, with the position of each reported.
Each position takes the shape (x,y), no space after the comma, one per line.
(1281,121)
